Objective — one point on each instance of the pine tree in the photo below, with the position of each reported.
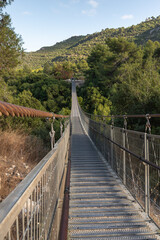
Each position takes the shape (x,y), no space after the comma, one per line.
(4,3)
(10,42)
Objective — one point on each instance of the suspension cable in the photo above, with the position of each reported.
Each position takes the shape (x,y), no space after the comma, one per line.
(8,109)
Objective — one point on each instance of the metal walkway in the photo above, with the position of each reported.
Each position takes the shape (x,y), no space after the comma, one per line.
(100,206)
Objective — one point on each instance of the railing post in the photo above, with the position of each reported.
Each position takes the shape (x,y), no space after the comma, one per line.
(124,145)
(52,135)
(104,142)
(112,129)
(124,156)
(147,185)
(61,128)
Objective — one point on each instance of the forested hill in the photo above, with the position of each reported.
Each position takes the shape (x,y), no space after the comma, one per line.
(77,48)
(66,44)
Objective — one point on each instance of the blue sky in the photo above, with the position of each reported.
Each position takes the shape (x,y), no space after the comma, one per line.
(45,22)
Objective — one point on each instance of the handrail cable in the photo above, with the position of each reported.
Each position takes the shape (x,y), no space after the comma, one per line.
(126,116)
(7,109)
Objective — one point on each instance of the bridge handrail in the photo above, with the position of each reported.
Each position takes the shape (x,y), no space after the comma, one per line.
(134,156)
(20,111)
(32,207)
(125,131)
(125,115)
(128,151)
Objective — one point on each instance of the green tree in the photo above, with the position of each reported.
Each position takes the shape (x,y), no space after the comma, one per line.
(95,60)
(26,99)
(10,45)
(26,69)
(47,68)
(95,103)
(10,42)
(4,3)
(126,74)
(5,93)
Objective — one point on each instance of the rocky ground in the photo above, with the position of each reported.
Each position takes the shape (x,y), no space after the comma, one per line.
(12,172)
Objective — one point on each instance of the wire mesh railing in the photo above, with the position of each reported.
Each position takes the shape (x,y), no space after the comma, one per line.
(134,156)
(32,210)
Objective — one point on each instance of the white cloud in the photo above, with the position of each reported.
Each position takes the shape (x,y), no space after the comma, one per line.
(93,3)
(26,13)
(129,16)
(90,13)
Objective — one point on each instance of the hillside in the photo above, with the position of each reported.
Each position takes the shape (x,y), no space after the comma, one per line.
(77,48)
(62,45)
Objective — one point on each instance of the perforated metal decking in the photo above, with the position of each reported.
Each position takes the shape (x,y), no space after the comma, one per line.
(100,207)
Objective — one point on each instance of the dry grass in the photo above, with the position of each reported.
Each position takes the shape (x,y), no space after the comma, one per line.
(19,153)
(17,145)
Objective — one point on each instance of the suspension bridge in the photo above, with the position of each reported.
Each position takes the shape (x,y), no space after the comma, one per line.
(98,182)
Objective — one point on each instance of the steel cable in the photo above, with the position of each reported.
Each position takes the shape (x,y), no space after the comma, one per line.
(8,109)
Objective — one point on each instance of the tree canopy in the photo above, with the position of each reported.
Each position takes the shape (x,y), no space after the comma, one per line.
(4,3)
(126,75)
(10,42)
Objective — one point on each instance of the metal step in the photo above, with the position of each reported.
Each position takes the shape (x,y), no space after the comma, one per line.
(93,191)
(108,226)
(98,205)
(82,174)
(122,219)
(147,237)
(89,202)
(95,178)
(95,184)
(111,233)
(95,196)
(102,214)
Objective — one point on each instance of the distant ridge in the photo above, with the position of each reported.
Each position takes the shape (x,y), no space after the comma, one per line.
(77,48)
(62,45)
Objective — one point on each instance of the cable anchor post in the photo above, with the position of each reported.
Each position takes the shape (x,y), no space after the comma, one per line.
(52,133)
(103,119)
(65,123)
(125,122)
(103,122)
(148,124)
(147,171)
(112,121)
(61,128)
(112,139)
